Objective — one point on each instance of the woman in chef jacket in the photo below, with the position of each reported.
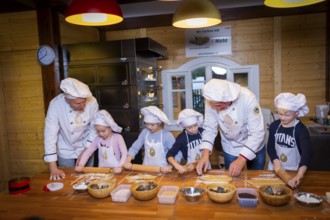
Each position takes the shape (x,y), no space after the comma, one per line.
(112,151)
(289,145)
(155,139)
(67,126)
(188,140)
(236,111)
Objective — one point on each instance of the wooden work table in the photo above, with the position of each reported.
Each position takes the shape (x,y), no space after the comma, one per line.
(68,204)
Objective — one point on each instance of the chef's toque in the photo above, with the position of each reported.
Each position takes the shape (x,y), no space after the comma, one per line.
(188,117)
(289,101)
(103,117)
(153,114)
(74,88)
(217,90)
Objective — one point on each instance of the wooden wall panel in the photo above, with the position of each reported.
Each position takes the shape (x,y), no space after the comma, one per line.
(299,63)
(22,121)
(22,99)
(303,57)
(18,31)
(71,33)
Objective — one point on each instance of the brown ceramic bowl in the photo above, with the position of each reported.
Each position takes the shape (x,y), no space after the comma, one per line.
(221,193)
(101,189)
(276,195)
(144,190)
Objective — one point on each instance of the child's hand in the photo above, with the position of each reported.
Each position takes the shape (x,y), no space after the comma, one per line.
(166,169)
(127,166)
(277,165)
(295,181)
(118,169)
(180,169)
(79,168)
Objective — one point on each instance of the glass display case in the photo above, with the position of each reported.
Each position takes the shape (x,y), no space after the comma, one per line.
(123,81)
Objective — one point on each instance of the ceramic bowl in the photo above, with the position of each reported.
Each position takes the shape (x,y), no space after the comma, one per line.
(221,193)
(100,189)
(308,199)
(144,190)
(80,187)
(276,195)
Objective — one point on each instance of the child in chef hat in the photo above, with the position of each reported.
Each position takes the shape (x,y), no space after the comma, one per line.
(187,142)
(155,139)
(289,145)
(112,151)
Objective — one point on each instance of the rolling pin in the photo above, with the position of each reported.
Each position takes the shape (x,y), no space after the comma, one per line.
(144,168)
(97,170)
(284,176)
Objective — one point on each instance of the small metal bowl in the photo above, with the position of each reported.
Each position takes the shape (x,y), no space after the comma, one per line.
(192,194)
(308,199)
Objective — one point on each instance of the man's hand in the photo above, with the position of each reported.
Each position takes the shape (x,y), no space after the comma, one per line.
(203,163)
(55,173)
(236,166)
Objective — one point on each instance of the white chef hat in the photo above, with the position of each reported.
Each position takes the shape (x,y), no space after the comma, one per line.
(74,88)
(153,114)
(103,117)
(217,90)
(289,101)
(189,117)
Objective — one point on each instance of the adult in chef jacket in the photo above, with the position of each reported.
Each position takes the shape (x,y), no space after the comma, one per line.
(236,111)
(289,146)
(67,126)
(188,141)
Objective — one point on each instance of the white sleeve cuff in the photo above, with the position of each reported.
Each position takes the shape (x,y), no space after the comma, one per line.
(50,158)
(206,145)
(248,153)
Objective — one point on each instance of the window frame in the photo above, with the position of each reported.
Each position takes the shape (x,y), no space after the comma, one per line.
(186,71)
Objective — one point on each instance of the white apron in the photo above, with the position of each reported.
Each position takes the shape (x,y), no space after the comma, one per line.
(154,154)
(193,150)
(289,157)
(107,156)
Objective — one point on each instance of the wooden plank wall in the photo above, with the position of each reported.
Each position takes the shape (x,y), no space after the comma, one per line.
(290,51)
(21,105)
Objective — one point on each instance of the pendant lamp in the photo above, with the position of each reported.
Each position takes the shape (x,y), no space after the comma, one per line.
(196,14)
(93,12)
(290,3)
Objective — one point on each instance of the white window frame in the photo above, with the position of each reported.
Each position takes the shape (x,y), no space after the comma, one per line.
(185,71)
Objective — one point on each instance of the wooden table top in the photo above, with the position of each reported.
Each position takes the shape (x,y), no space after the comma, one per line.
(68,204)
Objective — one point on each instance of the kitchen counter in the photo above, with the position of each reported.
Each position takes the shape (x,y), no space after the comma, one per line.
(68,204)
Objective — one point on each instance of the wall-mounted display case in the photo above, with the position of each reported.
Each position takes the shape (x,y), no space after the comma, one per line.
(122,75)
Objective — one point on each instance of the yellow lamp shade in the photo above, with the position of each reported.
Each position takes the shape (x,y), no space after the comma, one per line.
(196,14)
(94,12)
(290,3)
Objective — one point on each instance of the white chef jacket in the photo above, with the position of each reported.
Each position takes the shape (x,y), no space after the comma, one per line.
(62,136)
(241,126)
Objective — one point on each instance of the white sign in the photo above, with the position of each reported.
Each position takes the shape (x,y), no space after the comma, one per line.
(208,41)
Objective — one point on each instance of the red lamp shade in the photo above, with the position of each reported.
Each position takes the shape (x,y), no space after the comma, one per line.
(94,12)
